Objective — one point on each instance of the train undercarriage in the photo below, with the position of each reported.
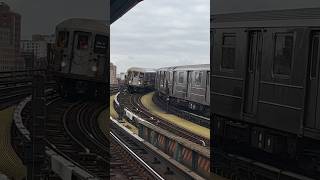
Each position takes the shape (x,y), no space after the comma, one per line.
(83,89)
(190,106)
(138,89)
(268,152)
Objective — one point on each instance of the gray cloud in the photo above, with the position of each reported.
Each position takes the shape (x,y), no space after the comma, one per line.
(158,33)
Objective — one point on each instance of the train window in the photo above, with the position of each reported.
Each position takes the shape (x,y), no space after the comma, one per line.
(101,44)
(283,51)
(180,77)
(63,39)
(314,55)
(135,74)
(83,41)
(228,51)
(197,78)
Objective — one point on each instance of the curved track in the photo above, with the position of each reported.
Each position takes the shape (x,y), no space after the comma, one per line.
(133,103)
(68,135)
(76,135)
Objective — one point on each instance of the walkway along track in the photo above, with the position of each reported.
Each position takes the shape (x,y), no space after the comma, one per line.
(133,103)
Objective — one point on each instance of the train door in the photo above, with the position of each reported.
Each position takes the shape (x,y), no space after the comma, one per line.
(253,72)
(166,83)
(189,83)
(208,88)
(174,82)
(82,54)
(313,90)
(157,81)
(164,80)
(63,55)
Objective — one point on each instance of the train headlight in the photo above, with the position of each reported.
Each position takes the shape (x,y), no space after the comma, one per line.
(63,64)
(139,82)
(129,82)
(94,68)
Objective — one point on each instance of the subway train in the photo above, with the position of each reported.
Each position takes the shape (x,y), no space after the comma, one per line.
(80,58)
(265,93)
(140,79)
(187,86)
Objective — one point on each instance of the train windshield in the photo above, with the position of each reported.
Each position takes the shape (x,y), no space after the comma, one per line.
(101,44)
(83,41)
(135,74)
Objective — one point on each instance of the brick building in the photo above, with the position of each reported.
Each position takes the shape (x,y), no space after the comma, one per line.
(10,30)
(113,74)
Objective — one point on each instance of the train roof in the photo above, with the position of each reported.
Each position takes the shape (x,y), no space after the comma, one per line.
(91,25)
(145,70)
(186,67)
(223,6)
(274,18)
(120,7)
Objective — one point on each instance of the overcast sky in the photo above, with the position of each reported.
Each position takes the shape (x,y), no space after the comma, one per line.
(41,16)
(159,33)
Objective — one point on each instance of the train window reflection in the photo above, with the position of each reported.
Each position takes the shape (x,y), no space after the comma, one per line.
(314,55)
(228,51)
(198,78)
(181,77)
(283,51)
(83,41)
(63,39)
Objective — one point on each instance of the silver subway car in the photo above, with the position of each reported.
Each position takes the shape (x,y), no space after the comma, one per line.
(140,79)
(186,85)
(81,57)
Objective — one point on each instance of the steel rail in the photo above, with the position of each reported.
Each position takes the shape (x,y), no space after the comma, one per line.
(141,161)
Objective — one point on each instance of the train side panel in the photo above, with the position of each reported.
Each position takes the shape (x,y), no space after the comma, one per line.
(257,94)
(265,85)
(228,72)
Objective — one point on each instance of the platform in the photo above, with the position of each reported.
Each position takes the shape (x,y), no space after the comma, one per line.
(10,164)
(115,115)
(103,123)
(183,123)
(113,112)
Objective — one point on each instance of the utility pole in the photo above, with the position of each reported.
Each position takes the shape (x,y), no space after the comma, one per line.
(37,162)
